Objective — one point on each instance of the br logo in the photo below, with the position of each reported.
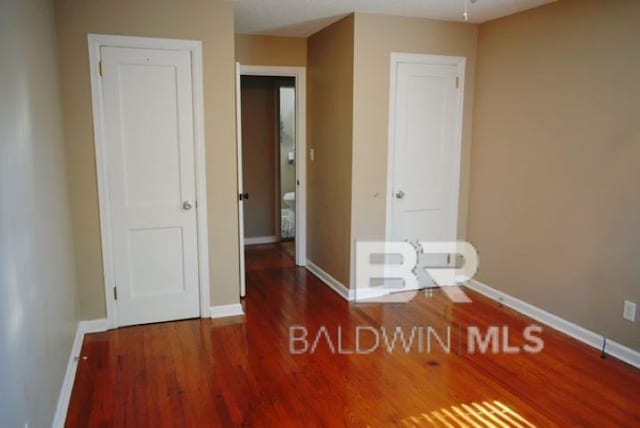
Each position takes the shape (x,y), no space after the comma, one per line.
(393,272)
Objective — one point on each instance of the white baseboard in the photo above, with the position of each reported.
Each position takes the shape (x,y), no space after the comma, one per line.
(325,277)
(222,311)
(366,293)
(84,327)
(261,240)
(595,340)
(343,291)
(623,353)
(94,326)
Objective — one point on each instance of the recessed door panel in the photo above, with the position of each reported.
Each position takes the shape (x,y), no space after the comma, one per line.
(149,134)
(150,140)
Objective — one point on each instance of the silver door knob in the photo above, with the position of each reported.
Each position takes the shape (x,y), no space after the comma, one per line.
(399,194)
(187,205)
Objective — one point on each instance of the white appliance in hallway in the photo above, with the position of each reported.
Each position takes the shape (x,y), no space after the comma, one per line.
(288,216)
(147,105)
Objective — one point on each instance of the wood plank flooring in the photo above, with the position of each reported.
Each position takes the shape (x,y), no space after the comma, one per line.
(239,371)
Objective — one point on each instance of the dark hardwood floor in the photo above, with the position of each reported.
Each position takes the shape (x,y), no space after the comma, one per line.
(239,371)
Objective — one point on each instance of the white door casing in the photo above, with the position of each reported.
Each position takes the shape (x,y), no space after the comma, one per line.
(243,281)
(425,138)
(149,150)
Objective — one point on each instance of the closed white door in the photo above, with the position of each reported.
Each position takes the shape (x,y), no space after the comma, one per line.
(425,166)
(149,139)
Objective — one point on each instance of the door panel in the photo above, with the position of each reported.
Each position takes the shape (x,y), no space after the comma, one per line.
(426,155)
(150,126)
(149,132)
(156,257)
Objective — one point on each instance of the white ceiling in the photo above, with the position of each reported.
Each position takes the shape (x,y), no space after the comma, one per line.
(301,18)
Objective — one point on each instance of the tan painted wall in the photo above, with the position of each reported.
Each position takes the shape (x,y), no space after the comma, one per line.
(330,132)
(208,20)
(38,293)
(271,50)
(554,206)
(376,36)
(259,155)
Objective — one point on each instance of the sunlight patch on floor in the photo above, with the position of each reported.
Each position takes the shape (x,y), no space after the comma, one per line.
(484,415)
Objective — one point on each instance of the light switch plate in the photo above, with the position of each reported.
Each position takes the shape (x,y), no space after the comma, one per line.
(629,311)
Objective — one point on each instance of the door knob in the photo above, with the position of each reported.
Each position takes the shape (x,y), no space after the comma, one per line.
(187,205)
(399,194)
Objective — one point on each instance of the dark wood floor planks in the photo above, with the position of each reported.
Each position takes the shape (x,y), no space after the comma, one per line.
(239,371)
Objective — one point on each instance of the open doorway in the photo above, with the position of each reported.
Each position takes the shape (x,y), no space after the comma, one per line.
(271,161)
(268,159)
(286,152)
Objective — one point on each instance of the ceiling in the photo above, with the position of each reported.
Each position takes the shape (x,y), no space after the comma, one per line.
(301,18)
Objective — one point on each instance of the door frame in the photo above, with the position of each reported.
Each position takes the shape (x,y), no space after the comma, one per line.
(194,47)
(398,58)
(300,75)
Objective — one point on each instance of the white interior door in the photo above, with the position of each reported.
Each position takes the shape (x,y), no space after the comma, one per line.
(426,141)
(243,284)
(149,138)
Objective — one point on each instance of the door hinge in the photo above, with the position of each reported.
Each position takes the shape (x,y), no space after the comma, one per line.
(457,82)
(100,69)
(115,293)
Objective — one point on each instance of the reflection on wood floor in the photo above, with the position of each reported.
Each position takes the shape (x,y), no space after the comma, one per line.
(239,371)
(486,414)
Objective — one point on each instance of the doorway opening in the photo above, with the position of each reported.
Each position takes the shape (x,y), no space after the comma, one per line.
(271,160)
(286,151)
(268,159)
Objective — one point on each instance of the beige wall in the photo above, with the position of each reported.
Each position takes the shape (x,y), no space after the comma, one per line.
(38,294)
(208,20)
(376,36)
(259,157)
(330,132)
(554,206)
(271,50)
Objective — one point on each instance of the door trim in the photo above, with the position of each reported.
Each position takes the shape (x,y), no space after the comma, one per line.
(194,47)
(300,75)
(240,181)
(398,58)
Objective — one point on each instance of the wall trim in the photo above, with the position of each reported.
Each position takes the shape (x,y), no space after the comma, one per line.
(364,293)
(94,326)
(575,331)
(348,294)
(83,327)
(329,280)
(261,240)
(222,311)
